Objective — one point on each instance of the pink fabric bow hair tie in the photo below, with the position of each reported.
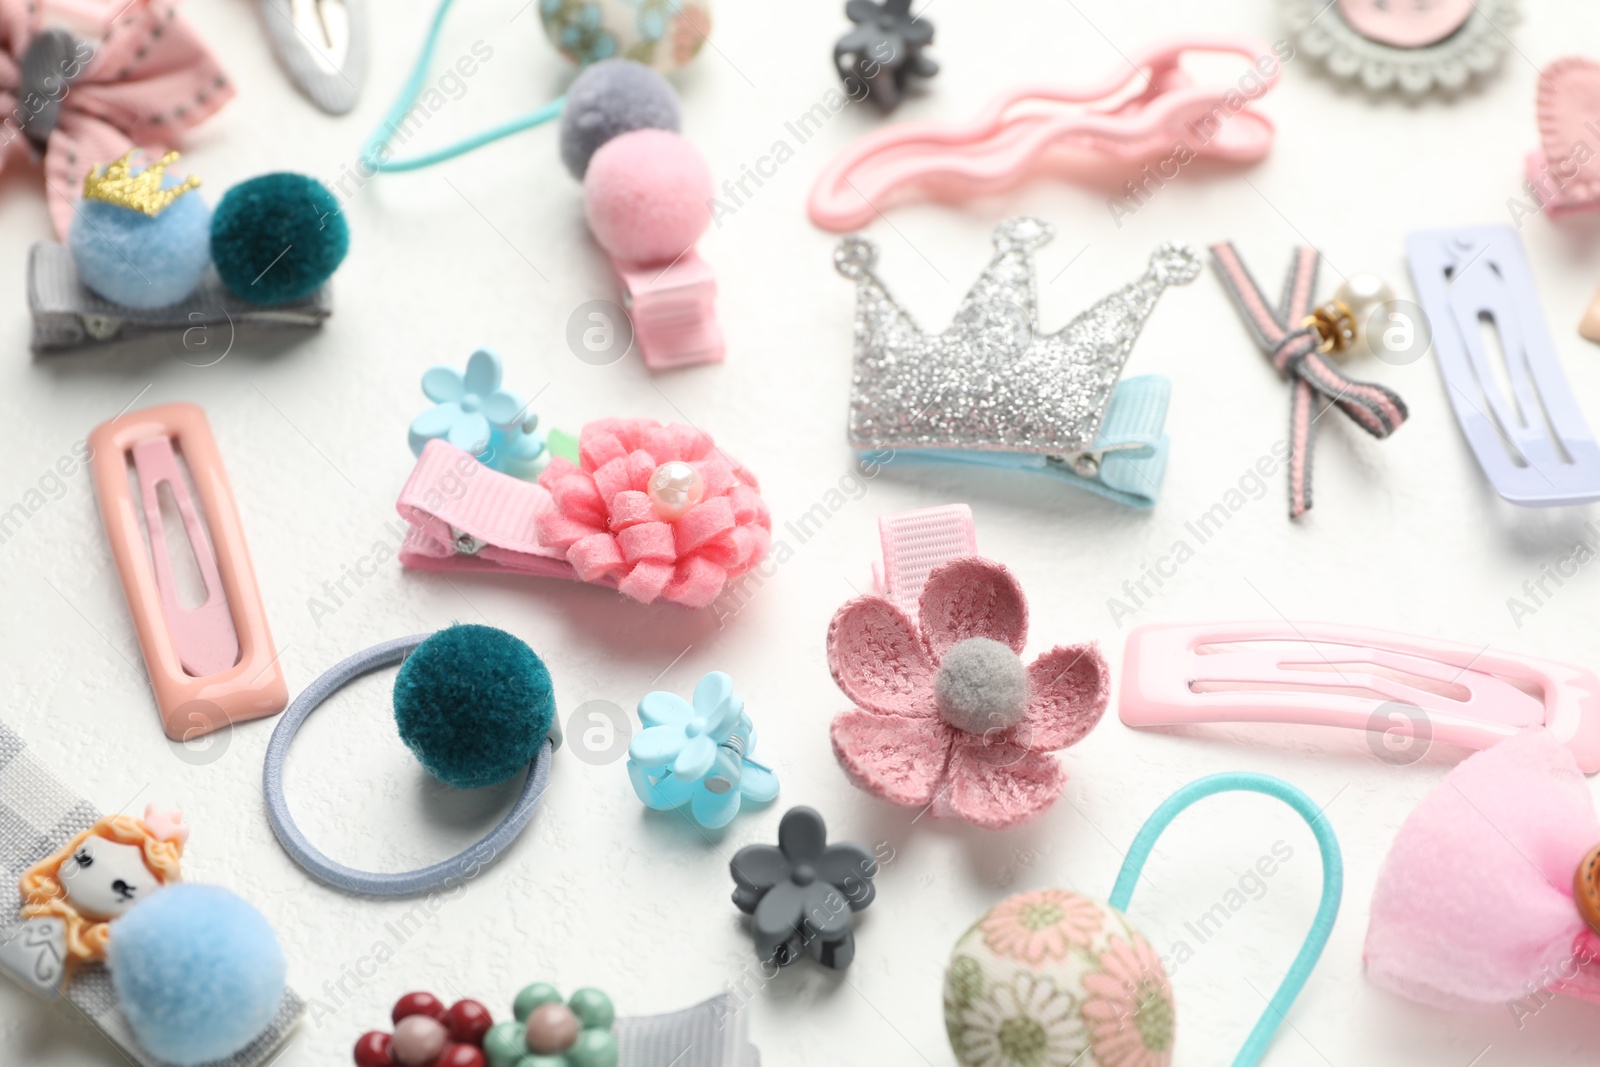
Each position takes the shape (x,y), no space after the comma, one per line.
(1475,904)
(947,717)
(143,83)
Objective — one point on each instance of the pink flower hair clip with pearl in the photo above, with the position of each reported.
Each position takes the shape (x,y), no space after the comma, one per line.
(947,716)
(657,512)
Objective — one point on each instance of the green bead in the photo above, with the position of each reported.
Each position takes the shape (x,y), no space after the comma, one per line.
(593,1009)
(594,1048)
(542,1061)
(532,997)
(505,1044)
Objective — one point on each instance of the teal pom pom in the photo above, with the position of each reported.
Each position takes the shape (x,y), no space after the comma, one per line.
(198,972)
(474,704)
(137,261)
(277,238)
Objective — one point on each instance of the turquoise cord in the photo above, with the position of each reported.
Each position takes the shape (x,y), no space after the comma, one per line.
(1255,1045)
(378,143)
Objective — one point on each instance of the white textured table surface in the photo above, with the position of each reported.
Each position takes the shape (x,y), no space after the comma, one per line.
(492,250)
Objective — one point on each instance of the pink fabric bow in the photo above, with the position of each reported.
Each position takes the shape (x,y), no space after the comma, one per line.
(1474,904)
(897,743)
(146,81)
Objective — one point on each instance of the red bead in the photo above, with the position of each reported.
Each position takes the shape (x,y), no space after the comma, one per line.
(418,1004)
(460,1056)
(372,1050)
(468,1021)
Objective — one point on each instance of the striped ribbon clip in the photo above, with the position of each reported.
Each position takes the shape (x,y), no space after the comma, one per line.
(1288,337)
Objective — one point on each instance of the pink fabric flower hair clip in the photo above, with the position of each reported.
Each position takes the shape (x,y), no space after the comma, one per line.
(1490,894)
(138,76)
(947,717)
(657,512)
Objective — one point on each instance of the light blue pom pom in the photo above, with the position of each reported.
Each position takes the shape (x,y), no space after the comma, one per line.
(138,261)
(198,971)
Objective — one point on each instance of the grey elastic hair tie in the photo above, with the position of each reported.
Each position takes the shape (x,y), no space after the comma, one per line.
(405,883)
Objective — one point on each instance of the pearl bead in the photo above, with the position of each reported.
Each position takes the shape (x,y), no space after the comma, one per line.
(418,1040)
(1361,293)
(552,1028)
(674,488)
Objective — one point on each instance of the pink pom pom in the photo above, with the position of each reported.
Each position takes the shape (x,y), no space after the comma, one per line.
(648,196)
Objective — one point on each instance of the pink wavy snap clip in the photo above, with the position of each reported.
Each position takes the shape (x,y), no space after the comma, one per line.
(1323,674)
(656,511)
(1166,116)
(1487,897)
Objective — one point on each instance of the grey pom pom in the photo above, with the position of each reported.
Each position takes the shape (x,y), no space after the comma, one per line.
(612,97)
(981,686)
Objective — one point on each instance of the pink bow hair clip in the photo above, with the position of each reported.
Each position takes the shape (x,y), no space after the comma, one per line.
(1153,114)
(1490,894)
(658,512)
(947,717)
(124,75)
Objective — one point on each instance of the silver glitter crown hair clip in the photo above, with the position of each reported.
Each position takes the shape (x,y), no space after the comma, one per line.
(993,390)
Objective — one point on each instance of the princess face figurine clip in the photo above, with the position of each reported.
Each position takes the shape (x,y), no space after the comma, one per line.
(70,897)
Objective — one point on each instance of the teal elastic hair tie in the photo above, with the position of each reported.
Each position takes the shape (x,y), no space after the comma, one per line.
(1255,1045)
(378,143)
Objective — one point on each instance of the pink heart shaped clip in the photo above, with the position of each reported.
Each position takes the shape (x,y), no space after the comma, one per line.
(1565,172)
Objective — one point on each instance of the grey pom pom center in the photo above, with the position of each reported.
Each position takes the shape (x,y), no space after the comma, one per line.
(981,686)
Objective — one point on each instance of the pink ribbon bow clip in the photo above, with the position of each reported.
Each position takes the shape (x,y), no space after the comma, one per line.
(1483,898)
(141,80)
(947,718)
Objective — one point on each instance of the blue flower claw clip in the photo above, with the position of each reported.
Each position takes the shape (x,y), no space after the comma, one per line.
(473,413)
(697,754)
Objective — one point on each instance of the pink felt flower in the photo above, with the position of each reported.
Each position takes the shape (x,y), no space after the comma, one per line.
(1127,1005)
(947,717)
(1043,926)
(658,510)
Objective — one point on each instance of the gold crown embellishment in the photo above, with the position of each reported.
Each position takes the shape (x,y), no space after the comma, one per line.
(116,184)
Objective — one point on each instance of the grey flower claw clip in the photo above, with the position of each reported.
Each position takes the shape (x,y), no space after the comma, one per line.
(802,893)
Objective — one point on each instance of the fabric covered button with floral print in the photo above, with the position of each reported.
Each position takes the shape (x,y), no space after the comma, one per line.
(1054,979)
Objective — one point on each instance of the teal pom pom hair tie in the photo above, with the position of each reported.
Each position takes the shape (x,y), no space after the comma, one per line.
(474,704)
(277,238)
(198,973)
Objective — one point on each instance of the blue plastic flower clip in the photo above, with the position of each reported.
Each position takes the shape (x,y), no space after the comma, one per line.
(473,413)
(697,755)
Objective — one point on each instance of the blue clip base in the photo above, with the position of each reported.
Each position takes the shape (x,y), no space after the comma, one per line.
(1131,444)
